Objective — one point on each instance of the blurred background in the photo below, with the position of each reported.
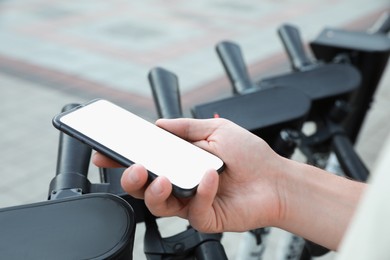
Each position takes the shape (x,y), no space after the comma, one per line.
(57,52)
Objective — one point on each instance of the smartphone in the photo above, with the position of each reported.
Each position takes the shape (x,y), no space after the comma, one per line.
(128,138)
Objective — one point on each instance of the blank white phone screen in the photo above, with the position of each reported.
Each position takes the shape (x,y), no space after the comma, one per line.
(140,141)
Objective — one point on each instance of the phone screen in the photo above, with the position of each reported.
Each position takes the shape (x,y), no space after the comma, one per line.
(127,138)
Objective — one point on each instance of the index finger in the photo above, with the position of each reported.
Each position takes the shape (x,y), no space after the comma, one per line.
(103,161)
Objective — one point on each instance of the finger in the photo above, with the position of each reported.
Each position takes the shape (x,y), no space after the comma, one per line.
(101,160)
(201,211)
(190,129)
(134,180)
(160,201)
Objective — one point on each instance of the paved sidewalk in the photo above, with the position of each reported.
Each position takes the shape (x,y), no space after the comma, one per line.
(58,52)
(100,48)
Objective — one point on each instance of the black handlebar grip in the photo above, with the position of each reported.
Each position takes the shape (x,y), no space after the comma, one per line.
(349,160)
(293,44)
(233,62)
(382,25)
(166,94)
(73,155)
(72,163)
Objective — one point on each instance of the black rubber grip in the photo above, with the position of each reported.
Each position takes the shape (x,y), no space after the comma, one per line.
(73,155)
(166,94)
(233,62)
(293,44)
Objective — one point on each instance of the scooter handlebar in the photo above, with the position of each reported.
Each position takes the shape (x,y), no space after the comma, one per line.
(166,94)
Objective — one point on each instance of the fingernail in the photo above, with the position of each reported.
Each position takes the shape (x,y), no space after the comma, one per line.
(156,187)
(133,176)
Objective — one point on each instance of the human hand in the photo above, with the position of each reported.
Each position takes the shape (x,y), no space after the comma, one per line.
(244,196)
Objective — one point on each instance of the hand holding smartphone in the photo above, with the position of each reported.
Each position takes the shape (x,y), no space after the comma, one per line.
(127,139)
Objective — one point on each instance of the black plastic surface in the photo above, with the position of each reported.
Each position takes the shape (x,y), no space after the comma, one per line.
(113,177)
(263,111)
(323,82)
(349,40)
(369,53)
(92,226)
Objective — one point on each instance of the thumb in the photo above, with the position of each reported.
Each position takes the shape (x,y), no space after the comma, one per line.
(202,215)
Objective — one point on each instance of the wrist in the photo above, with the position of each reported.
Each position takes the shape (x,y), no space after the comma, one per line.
(284,189)
(315,204)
